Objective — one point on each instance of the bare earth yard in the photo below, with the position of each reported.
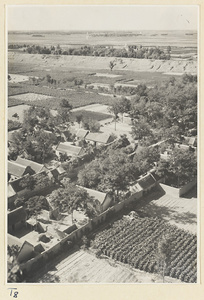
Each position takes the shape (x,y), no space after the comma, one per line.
(84,267)
(181,212)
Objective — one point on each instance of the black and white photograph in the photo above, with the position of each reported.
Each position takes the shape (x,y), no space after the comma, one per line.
(102,135)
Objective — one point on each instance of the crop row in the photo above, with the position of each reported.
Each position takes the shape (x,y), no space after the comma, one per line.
(135,242)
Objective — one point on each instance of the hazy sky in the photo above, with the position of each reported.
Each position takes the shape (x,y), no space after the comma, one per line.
(34,17)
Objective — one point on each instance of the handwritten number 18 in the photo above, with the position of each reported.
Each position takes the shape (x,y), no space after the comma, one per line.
(13,293)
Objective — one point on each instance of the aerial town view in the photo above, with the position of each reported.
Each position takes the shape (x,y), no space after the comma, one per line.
(102,145)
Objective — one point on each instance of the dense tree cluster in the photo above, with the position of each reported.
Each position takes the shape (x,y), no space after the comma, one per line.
(168,110)
(131,51)
(70,197)
(180,168)
(35,139)
(33,205)
(13,125)
(113,169)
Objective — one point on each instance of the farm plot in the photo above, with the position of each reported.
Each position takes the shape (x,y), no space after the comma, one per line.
(90,115)
(19,110)
(106,75)
(30,97)
(135,241)
(98,108)
(15,78)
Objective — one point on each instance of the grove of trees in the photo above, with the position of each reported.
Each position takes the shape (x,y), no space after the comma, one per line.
(131,51)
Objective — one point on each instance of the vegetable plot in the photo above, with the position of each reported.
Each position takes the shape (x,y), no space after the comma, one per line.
(135,242)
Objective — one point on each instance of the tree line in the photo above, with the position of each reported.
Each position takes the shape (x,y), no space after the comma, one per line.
(131,51)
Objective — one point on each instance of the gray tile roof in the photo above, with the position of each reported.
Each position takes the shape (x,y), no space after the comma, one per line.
(25,162)
(95,194)
(16,169)
(98,137)
(70,150)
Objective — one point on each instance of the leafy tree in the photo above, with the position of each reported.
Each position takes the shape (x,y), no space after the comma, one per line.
(13,125)
(145,160)
(115,109)
(63,115)
(14,273)
(43,145)
(35,204)
(183,166)
(116,172)
(28,181)
(72,198)
(163,254)
(90,176)
(122,142)
(141,130)
(92,125)
(124,106)
(65,103)
(112,65)
(79,118)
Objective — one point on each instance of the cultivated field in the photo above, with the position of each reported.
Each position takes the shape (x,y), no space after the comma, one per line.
(15,78)
(99,108)
(106,75)
(30,97)
(84,267)
(134,240)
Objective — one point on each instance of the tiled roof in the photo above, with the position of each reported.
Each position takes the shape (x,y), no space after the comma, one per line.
(17,215)
(146,181)
(16,169)
(13,240)
(95,194)
(25,162)
(70,150)
(10,191)
(98,137)
(81,133)
(60,170)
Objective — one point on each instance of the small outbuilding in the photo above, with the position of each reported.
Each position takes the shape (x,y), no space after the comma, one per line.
(98,138)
